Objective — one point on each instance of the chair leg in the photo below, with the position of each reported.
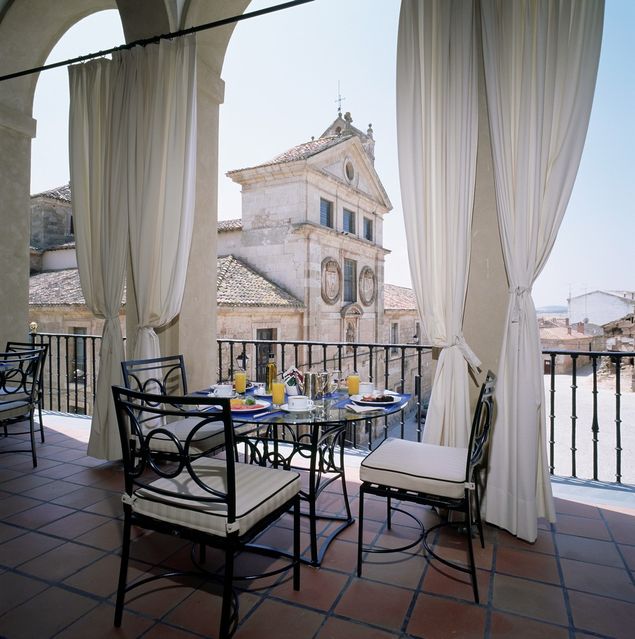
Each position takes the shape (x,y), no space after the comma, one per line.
(123,569)
(296,544)
(388,512)
(226,606)
(32,434)
(39,408)
(471,551)
(479,521)
(360,531)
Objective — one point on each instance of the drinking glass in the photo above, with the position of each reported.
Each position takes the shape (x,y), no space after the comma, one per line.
(277,393)
(240,382)
(352,382)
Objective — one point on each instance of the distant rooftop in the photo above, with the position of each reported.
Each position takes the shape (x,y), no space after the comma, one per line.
(240,285)
(230,225)
(340,130)
(399,298)
(61,193)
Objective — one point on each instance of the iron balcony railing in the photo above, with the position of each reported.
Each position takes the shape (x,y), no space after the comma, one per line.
(590,395)
(401,367)
(599,425)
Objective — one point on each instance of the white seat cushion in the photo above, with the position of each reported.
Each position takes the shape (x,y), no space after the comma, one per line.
(421,468)
(206,438)
(259,491)
(11,409)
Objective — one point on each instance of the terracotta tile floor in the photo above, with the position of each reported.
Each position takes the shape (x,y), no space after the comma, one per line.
(60,535)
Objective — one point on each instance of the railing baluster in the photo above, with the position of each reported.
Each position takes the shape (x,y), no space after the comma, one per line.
(552,413)
(574,413)
(595,427)
(618,421)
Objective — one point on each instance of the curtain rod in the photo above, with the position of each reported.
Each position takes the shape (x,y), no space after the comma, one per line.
(154,39)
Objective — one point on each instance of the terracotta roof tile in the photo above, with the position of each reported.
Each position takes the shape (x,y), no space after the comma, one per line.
(561,333)
(399,298)
(301,151)
(240,285)
(58,288)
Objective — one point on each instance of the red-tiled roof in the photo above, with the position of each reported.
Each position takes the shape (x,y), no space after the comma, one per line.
(240,285)
(301,151)
(399,298)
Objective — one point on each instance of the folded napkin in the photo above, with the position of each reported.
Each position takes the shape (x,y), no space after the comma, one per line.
(362,409)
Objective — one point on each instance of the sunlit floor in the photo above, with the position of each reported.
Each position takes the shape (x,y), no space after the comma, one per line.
(60,536)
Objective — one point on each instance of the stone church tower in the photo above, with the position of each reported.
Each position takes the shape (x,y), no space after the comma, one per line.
(312,223)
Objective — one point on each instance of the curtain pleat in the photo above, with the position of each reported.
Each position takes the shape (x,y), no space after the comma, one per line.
(541,60)
(437,127)
(132,137)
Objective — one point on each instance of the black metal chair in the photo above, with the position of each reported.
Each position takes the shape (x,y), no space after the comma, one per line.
(19,379)
(208,500)
(167,376)
(440,476)
(19,347)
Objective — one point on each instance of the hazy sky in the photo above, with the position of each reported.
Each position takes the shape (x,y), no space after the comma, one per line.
(282,73)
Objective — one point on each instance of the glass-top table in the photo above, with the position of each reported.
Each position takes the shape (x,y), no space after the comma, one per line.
(311,441)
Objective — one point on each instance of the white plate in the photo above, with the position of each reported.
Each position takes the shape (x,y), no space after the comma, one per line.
(257,394)
(357,399)
(287,408)
(259,405)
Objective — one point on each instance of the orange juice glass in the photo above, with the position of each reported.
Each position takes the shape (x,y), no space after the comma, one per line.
(352,382)
(240,382)
(277,393)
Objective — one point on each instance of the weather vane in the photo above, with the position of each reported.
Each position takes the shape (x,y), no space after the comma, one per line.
(339,100)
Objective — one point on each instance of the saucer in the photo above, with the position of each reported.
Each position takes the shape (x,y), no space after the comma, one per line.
(288,409)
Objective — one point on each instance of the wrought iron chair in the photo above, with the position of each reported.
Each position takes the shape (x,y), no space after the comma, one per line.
(167,376)
(208,500)
(19,379)
(19,347)
(440,476)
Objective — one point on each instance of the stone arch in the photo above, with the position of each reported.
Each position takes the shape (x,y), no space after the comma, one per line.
(29,29)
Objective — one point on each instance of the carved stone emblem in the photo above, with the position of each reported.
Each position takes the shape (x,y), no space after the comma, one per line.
(331,280)
(367,286)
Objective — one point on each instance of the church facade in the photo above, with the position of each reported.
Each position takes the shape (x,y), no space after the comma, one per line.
(312,222)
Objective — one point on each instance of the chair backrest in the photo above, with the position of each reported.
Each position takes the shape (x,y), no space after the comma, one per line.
(143,465)
(20,374)
(158,376)
(20,347)
(481,424)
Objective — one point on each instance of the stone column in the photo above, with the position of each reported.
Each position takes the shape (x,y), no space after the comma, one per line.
(16,131)
(486,303)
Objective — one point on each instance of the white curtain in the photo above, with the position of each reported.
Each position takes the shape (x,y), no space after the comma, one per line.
(541,61)
(161,182)
(437,126)
(132,154)
(100,222)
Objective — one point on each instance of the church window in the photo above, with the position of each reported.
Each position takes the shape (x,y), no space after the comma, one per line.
(350,171)
(394,337)
(350,281)
(326,213)
(349,221)
(368,229)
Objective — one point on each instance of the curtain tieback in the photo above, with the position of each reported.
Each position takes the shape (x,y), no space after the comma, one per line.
(470,356)
(518,292)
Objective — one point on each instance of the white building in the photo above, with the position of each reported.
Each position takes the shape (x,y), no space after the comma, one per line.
(601,307)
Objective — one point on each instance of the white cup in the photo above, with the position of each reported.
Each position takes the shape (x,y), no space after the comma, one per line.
(223,390)
(366,388)
(299,402)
